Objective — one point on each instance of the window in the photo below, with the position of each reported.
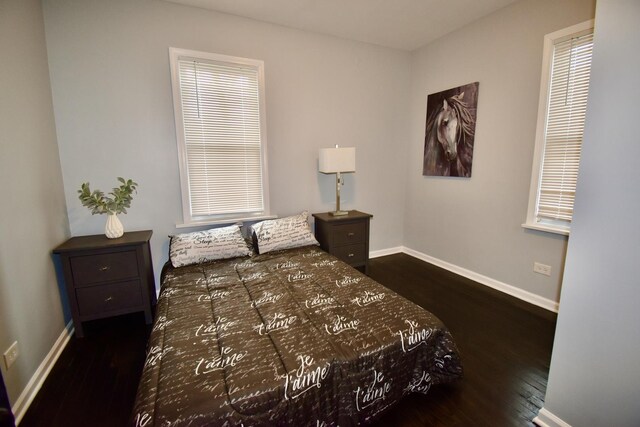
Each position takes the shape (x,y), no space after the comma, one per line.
(561,116)
(220,129)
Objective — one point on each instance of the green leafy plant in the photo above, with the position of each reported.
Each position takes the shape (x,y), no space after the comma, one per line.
(118,201)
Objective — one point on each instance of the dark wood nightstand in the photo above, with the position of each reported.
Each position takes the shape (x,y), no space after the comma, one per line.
(345,236)
(108,277)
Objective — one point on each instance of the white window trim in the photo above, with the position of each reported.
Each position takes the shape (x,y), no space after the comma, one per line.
(239,221)
(188,220)
(536,170)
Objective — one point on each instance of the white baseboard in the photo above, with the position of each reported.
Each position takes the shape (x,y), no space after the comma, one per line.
(36,381)
(476,277)
(385,252)
(547,419)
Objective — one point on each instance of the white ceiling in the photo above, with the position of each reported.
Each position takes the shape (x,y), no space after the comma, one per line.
(400,24)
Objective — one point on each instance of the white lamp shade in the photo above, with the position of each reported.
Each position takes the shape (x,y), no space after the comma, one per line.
(333,160)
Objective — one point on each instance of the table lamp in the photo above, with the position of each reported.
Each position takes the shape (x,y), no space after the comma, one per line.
(337,160)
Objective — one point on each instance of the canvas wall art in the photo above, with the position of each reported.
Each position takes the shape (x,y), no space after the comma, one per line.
(450,131)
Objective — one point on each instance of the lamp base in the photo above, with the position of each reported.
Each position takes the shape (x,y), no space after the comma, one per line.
(339,213)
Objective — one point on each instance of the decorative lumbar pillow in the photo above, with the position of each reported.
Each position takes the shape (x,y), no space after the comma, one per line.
(283,233)
(208,245)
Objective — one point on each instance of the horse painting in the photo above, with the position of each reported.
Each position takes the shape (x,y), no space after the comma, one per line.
(451,122)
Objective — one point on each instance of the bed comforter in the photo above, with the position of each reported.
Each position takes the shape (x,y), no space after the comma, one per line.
(294,337)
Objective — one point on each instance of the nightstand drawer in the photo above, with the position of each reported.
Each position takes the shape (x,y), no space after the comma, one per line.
(100,299)
(351,254)
(346,234)
(91,269)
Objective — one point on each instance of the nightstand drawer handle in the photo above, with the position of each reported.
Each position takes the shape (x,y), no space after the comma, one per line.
(109,299)
(351,255)
(105,268)
(351,234)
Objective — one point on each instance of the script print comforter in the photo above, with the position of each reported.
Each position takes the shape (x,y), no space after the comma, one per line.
(294,337)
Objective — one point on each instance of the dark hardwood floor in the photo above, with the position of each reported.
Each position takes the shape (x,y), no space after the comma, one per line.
(505,346)
(95,380)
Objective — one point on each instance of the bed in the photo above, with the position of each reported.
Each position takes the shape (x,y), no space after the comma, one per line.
(288,337)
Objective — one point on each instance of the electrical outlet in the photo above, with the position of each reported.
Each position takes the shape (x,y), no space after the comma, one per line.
(11,355)
(542,268)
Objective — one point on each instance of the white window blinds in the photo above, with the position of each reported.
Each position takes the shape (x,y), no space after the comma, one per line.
(567,105)
(222,152)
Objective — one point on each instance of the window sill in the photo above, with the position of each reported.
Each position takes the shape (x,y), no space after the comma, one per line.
(547,228)
(229,221)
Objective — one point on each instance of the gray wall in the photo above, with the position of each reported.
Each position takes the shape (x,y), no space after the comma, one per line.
(476,223)
(111,85)
(595,369)
(34,216)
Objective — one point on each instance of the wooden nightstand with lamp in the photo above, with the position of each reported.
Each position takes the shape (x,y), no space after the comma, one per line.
(344,234)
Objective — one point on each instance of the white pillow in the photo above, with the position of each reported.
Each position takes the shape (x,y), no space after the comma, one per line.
(283,233)
(208,245)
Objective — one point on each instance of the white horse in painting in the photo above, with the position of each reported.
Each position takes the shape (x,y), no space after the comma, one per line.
(449,139)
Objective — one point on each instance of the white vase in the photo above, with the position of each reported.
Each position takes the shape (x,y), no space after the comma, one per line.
(114,228)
